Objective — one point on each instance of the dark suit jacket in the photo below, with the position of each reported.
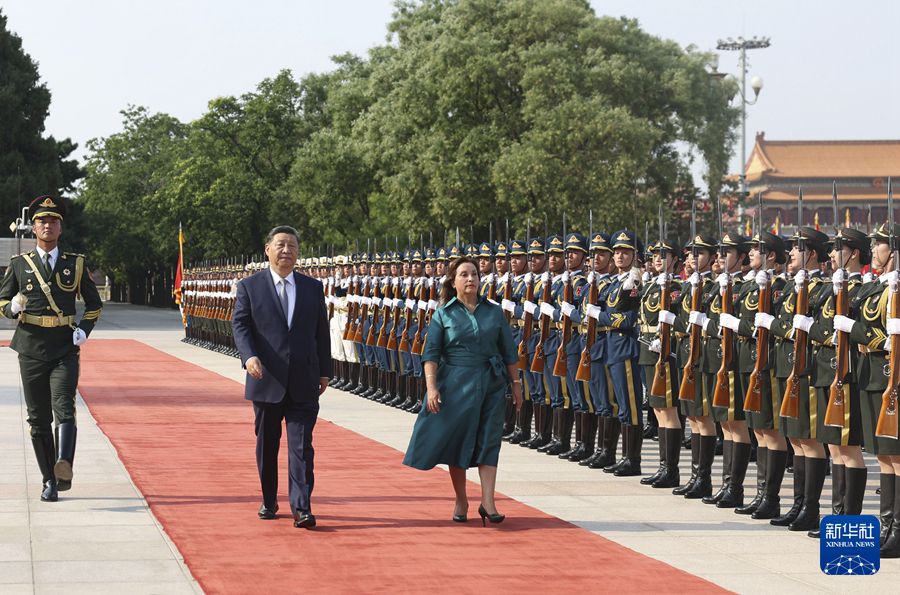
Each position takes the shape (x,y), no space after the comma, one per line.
(293,359)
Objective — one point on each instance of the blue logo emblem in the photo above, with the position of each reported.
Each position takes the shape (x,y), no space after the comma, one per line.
(849,544)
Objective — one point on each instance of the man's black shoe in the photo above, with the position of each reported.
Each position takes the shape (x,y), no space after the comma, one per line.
(304,520)
(266,513)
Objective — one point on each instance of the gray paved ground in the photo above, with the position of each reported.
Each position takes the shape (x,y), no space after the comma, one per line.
(107,538)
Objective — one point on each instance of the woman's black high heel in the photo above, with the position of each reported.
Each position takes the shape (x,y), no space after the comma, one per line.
(493,518)
(460,518)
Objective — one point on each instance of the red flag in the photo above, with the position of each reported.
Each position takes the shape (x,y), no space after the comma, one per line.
(180,270)
(816,220)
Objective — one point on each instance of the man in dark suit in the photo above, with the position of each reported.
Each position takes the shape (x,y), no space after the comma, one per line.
(281,332)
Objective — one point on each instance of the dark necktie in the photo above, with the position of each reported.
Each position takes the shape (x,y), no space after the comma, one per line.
(47,270)
(283,297)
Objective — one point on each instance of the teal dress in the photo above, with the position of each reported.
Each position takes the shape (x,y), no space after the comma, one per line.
(472,351)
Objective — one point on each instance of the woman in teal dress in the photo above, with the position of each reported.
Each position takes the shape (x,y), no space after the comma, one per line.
(469,358)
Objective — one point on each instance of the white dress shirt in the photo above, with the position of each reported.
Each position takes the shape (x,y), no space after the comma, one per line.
(54,254)
(291,291)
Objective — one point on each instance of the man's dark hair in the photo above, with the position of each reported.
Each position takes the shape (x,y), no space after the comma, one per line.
(282,229)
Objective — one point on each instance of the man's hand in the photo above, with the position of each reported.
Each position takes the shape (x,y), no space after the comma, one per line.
(18,303)
(254,367)
(79,337)
(323,384)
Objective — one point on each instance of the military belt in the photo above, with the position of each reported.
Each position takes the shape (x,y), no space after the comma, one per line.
(649,329)
(46,321)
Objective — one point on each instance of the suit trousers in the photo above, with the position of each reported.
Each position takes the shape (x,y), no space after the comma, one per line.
(300,419)
(49,388)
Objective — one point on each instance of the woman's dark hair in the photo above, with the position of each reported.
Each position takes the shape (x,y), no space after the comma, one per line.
(448,291)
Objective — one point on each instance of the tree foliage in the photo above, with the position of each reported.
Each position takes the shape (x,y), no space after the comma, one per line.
(474,111)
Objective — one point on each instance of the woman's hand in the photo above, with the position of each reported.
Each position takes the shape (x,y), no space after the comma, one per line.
(433,402)
(518,399)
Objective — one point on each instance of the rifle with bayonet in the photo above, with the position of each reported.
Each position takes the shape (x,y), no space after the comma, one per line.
(753,398)
(584,363)
(835,413)
(722,391)
(790,405)
(661,374)
(527,318)
(560,366)
(688,388)
(887,417)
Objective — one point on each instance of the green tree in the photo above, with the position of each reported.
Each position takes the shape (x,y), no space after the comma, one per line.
(31,164)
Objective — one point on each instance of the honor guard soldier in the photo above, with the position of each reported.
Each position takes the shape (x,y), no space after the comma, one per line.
(619,315)
(839,408)
(664,399)
(600,386)
(485,269)
(568,317)
(697,291)
(518,265)
(810,248)
(762,401)
(528,312)
(39,289)
(359,327)
(872,333)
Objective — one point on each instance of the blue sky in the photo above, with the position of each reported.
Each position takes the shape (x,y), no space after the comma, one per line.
(829,74)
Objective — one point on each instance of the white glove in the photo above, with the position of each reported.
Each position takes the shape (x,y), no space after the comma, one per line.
(528,277)
(432,304)
(843,323)
(868,277)
(545,277)
(547,309)
(662,280)
(18,303)
(376,301)
(698,318)
(891,279)
(802,323)
(893,326)
(594,311)
(763,320)
(489,278)
(666,317)
(591,277)
(762,279)
(694,279)
(645,278)
(723,279)
(508,305)
(565,277)
(728,321)
(800,279)
(655,346)
(530,307)
(79,337)
(502,280)
(493,302)
(633,278)
(422,304)
(887,345)
(395,281)
(837,281)
(567,309)
(410,304)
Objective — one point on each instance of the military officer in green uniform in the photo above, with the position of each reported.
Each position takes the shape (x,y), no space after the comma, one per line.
(39,289)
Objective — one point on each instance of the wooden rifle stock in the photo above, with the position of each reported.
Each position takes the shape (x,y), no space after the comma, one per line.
(722,392)
(351,308)
(561,367)
(371,337)
(330,293)
(364,313)
(753,398)
(660,377)
(528,323)
(419,340)
(584,364)
(537,364)
(392,341)
(887,417)
(508,293)
(688,388)
(382,340)
(790,405)
(837,407)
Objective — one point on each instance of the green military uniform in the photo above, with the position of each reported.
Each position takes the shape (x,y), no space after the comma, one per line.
(48,355)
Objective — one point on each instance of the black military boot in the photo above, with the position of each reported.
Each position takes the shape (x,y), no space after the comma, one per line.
(399,394)
(555,429)
(588,437)
(523,424)
(727,449)
(362,387)
(770,505)
(799,489)
(838,489)
(651,479)
(762,461)
(695,466)
(702,487)
(565,434)
(509,417)
(855,479)
(578,447)
(65,439)
(45,453)
(374,387)
(336,366)
(808,518)
(626,432)
(540,412)
(672,475)
(734,492)
(421,389)
(611,429)
(891,546)
(634,442)
(886,512)
(598,450)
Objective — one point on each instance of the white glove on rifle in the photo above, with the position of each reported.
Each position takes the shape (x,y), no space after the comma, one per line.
(891,279)
(800,279)
(645,278)
(508,306)
(662,279)
(837,281)
(843,323)
(631,281)
(594,311)
(591,277)
(762,279)
(802,323)
(547,309)
(763,320)
(723,280)
(698,318)
(694,279)
(567,309)
(893,326)
(655,346)
(530,307)
(728,321)
(410,304)
(666,317)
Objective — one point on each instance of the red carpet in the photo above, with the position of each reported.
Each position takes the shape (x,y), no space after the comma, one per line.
(186,437)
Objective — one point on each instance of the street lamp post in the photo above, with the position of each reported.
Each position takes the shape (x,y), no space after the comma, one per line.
(756,83)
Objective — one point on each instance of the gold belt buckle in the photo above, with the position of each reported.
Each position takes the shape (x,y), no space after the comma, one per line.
(49,321)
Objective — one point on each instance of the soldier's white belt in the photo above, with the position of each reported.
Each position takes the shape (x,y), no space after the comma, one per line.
(46,321)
